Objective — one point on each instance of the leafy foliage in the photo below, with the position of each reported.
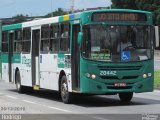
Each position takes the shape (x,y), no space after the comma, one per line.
(19,18)
(58,12)
(157,79)
(124,4)
(147,5)
(22,18)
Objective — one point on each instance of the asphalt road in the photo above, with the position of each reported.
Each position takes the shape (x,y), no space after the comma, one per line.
(100,107)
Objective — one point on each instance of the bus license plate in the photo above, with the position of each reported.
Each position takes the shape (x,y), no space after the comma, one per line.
(120,84)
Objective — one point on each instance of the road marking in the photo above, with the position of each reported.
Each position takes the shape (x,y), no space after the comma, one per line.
(96,117)
(28,101)
(47,106)
(59,109)
(12,97)
(99,118)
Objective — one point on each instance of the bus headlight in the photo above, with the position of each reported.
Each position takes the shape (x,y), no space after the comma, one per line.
(144,75)
(93,76)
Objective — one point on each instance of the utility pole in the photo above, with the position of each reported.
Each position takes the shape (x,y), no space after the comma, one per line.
(51,8)
(72,6)
(110,6)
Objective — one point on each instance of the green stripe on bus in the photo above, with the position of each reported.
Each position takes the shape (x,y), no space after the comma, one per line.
(11,27)
(16,58)
(61,19)
(4,57)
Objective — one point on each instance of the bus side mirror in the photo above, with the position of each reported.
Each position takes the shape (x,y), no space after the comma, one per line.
(80,37)
(156,36)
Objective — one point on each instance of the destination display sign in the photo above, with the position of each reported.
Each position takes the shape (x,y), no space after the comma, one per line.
(118,16)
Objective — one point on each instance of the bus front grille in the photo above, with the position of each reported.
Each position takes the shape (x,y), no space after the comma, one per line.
(119,67)
(116,77)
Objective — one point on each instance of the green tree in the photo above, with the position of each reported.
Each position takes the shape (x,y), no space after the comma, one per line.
(147,5)
(152,6)
(58,12)
(20,18)
(124,4)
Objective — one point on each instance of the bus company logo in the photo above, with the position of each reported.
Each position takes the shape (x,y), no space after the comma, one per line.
(26,61)
(61,61)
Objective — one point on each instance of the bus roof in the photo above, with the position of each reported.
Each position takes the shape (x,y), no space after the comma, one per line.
(63,18)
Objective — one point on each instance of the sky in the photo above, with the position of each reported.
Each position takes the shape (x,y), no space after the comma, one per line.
(10,8)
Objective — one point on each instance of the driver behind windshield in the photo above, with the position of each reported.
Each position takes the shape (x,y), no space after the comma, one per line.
(124,43)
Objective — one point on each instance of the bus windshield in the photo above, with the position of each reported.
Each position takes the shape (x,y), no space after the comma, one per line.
(117,43)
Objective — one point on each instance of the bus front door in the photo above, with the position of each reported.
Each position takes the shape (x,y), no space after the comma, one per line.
(10,55)
(75,58)
(35,57)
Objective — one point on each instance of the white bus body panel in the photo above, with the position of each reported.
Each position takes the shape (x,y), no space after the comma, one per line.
(40,22)
(48,71)
(25,70)
(5,73)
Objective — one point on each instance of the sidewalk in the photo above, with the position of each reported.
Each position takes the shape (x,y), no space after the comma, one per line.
(157,54)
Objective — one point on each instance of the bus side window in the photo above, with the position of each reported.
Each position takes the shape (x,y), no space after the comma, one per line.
(26,42)
(64,38)
(18,41)
(45,38)
(54,40)
(5,42)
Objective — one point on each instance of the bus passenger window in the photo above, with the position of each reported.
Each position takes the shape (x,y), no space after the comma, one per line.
(5,42)
(26,42)
(54,40)
(18,41)
(45,38)
(64,38)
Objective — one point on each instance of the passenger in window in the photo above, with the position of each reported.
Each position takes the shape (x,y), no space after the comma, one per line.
(104,43)
(45,48)
(19,48)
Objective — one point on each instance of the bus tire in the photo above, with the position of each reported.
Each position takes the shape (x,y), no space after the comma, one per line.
(19,87)
(66,96)
(126,97)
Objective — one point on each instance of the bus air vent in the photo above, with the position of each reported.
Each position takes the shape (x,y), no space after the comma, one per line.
(119,67)
(116,77)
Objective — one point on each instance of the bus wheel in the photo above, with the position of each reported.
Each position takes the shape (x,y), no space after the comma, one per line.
(18,83)
(65,95)
(126,97)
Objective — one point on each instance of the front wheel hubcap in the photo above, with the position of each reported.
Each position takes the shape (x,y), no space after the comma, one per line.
(64,90)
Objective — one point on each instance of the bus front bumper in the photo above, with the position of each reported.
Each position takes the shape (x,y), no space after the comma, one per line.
(96,87)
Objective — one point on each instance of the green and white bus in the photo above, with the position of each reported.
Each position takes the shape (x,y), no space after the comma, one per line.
(108,51)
